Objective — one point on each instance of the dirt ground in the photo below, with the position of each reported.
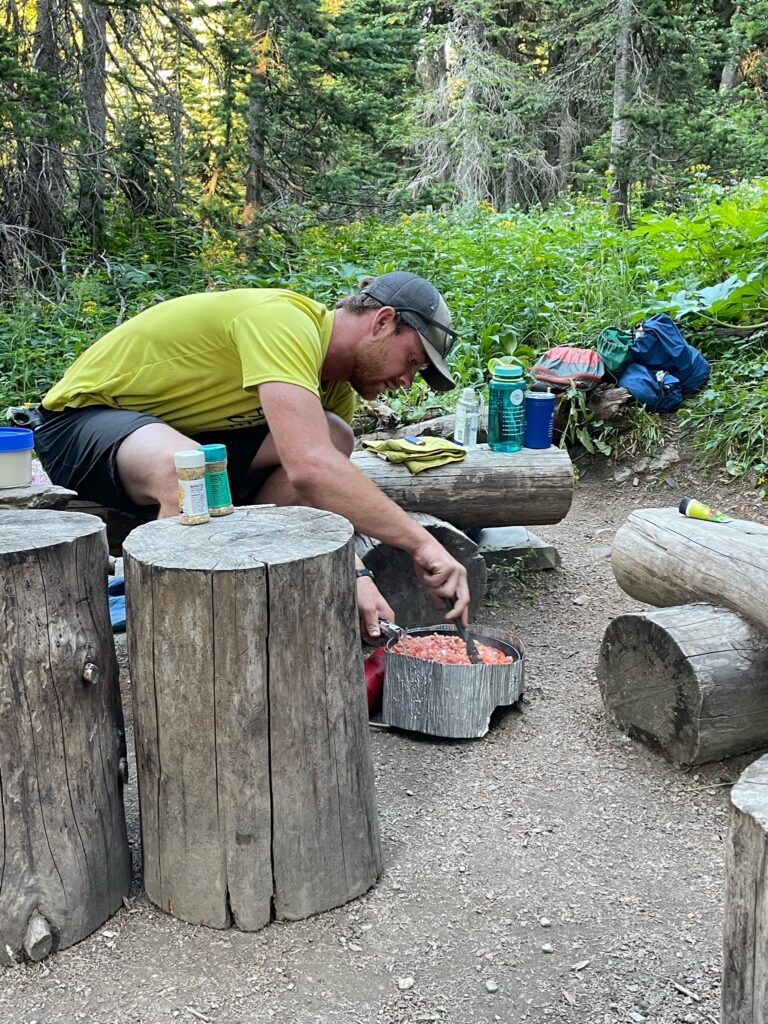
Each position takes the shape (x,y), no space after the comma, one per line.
(553,870)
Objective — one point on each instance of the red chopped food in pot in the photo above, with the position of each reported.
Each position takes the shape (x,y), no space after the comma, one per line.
(448,649)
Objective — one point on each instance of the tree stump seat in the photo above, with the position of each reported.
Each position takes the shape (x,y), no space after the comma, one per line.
(65,864)
(690,681)
(745,938)
(255,774)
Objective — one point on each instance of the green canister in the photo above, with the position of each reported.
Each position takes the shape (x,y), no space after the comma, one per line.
(216,480)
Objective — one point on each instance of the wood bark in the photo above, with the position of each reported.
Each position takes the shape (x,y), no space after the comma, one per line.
(451,701)
(689,681)
(745,938)
(621,127)
(525,488)
(64,859)
(257,96)
(663,558)
(397,581)
(93,91)
(255,773)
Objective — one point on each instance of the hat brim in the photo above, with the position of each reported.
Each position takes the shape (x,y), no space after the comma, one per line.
(436,374)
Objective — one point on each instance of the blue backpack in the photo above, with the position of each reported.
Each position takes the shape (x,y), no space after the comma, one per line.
(659,345)
(657,390)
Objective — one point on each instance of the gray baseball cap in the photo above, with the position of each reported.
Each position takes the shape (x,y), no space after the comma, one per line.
(420,305)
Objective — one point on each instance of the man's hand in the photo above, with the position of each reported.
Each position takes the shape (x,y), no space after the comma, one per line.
(371,607)
(446,578)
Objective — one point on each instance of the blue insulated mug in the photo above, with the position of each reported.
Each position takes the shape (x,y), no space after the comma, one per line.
(539,419)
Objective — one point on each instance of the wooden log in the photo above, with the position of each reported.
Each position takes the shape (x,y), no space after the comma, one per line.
(689,681)
(745,937)
(255,773)
(397,581)
(36,496)
(452,701)
(64,859)
(524,488)
(663,558)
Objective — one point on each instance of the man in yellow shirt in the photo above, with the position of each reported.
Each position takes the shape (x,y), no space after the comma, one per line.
(273,376)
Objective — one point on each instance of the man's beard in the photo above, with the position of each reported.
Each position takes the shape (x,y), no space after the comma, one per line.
(368,376)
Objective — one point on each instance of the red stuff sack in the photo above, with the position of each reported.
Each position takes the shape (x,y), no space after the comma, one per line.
(374,679)
(563,367)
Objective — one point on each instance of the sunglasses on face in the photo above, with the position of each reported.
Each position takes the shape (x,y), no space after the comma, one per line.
(450,334)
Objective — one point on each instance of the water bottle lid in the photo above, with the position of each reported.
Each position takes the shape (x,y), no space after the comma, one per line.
(502,372)
(468,395)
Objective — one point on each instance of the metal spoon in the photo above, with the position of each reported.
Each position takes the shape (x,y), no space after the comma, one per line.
(472,652)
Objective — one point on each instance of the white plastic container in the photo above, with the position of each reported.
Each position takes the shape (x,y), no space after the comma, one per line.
(16,444)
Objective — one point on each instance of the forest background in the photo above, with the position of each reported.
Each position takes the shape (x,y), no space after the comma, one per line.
(555,167)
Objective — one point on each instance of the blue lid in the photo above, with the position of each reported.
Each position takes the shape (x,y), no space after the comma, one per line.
(214,452)
(16,439)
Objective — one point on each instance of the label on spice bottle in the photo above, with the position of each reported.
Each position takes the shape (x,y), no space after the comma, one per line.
(193,503)
(217,490)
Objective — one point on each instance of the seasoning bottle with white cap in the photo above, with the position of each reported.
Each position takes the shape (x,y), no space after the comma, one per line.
(193,503)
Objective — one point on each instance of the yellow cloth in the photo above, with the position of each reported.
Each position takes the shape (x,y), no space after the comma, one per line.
(429,453)
(197,361)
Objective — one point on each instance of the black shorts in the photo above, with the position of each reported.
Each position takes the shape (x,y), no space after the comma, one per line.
(78,450)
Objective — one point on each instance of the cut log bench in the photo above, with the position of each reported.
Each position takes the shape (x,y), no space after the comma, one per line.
(525,488)
(691,679)
(65,864)
(255,774)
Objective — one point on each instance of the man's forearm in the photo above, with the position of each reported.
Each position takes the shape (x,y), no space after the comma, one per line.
(339,486)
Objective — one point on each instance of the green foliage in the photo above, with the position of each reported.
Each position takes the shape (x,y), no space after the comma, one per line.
(517,283)
(730,417)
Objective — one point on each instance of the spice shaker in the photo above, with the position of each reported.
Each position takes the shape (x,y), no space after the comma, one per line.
(193,504)
(216,480)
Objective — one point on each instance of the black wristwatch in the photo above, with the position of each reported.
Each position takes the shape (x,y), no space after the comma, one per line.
(364,572)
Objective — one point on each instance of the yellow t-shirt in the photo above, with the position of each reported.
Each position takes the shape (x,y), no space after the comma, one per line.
(196,362)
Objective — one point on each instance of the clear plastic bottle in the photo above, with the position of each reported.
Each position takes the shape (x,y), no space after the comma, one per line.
(506,408)
(466,419)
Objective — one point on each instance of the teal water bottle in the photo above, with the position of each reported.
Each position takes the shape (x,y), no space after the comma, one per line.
(506,408)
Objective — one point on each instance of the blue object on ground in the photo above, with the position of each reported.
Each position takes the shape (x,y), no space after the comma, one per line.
(116,598)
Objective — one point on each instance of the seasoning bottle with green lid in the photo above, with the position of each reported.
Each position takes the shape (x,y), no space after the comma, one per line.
(193,504)
(216,480)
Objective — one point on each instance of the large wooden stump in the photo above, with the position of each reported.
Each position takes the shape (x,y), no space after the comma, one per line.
(255,774)
(525,488)
(663,558)
(690,681)
(745,936)
(397,580)
(64,859)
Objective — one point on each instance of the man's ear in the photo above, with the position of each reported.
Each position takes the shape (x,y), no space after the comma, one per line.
(383,320)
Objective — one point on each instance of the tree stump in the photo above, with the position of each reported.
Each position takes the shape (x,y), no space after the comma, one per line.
(690,681)
(663,558)
(255,773)
(745,938)
(64,859)
(397,580)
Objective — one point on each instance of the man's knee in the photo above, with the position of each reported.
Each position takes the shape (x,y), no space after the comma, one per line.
(342,435)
